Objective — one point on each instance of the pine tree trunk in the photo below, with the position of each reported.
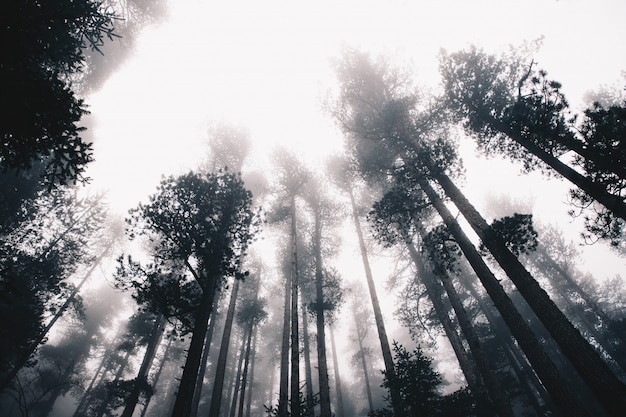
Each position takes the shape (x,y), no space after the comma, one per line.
(597,191)
(102,408)
(220,368)
(434,291)
(339,393)
(295,340)
(252,363)
(519,364)
(468,368)
(187,386)
(543,365)
(157,375)
(322,366)
(588,326)
(244,376)
(146,364)
(103,367)
(494,387)
(237,389)
(307,361)
(610,391)
(283,386)
(368,389)
(396,399)
(203,364)
(30,350)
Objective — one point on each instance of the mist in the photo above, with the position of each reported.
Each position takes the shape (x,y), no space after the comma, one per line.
(353,209)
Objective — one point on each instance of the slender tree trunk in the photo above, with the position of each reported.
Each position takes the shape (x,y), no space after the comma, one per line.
(368,390)
(252,363)
(237,388)
(220,369)
(396,399)
(283,390)
(186,388)
(610,391)
(551,262)
(543,365)
(244,376)
(494,387)
(434,291)
(307,361)
(30,350)
(47,406)
(322,366)
(519,364)
(340,409)
(101,409)
(98,375)
(146,364)
(203,364)
(157,375)
(598,192)
(295,340)
(588,326)
(469,370)
(582,149)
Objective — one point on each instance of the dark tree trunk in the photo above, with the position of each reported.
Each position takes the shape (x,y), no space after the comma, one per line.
(246,366)
(237,388)
(598,192)
(220,368)
(203,364)
(434,292)
(543,365)
(157,375)
(519,364)
(307,362)
(396,399)
(30,350)
(252,363)
(146,364)
(102,407)
(610,391)
(98,375)
(186,388)
(283,386)
(495,392)
(295,340)
(494,387)
(339,393)
(322,366)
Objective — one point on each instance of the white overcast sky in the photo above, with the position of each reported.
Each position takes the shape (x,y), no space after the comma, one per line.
(267,64)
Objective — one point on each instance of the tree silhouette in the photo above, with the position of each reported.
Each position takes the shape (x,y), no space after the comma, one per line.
(199,228)
(43,45)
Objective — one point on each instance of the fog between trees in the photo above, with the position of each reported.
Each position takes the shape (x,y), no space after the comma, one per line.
(373,281)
